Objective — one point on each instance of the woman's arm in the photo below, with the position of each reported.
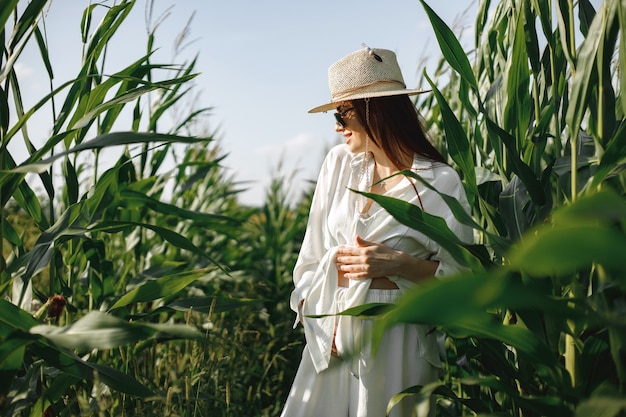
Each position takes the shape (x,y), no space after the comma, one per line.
(375,260)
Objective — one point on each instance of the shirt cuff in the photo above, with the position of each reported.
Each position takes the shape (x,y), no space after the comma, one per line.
(445,269)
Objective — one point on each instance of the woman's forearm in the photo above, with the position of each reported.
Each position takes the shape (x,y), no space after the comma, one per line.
(415,269)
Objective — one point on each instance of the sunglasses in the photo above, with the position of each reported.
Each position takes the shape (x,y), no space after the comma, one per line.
(340,115)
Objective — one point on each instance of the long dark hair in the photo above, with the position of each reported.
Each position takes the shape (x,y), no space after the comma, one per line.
(394,125)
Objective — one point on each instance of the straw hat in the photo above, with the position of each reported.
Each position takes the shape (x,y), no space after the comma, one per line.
(368,72)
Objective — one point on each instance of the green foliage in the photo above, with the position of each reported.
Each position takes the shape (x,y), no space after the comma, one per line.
(535,127)
(151,285)
(175,297)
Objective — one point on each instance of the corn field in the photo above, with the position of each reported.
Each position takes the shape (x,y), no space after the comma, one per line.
(141,289)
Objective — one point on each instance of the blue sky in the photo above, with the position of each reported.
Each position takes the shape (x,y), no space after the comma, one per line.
(262,65)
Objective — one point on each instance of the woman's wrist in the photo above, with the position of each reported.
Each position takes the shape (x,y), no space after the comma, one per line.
(416,269)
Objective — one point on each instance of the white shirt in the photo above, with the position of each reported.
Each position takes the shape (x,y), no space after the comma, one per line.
(334,221)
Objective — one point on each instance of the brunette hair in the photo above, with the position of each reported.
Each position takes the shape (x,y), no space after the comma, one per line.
(394,125)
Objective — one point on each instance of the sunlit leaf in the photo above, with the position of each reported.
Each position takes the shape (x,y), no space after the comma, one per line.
(585,65)
(621,12)
(456,139)
(450,47)
(566,249)
(432,226)
(565,15)
(517,111)
(159,288)
(460,304)
(98,330)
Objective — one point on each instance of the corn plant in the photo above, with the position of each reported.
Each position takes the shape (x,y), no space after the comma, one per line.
(533,120)
(95,266)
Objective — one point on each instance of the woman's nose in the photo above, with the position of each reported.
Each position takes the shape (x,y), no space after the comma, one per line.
(338,127)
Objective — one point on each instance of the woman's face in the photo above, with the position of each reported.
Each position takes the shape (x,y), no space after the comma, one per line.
(353,131)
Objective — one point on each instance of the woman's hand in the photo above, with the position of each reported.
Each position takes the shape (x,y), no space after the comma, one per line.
(375,260)
(366,260)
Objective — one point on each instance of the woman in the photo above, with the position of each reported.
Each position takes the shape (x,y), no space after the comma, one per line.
(354,252)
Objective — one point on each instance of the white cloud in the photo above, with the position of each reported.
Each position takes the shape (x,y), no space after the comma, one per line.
(23,71)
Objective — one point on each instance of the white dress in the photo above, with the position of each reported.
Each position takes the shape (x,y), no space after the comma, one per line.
(360,383)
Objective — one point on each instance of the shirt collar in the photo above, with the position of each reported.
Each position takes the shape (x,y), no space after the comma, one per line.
(421,166)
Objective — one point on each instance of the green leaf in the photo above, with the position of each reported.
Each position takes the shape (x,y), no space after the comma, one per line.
(26,21)
(14,318)
(451,48)
(565,15)
(71,181)
(126,97)
(11,235)
(601,406)
(12,353)
(367,310)
(206,305)
(98,330)
(481,19)
(172,237)
(159,288)
(518,105)
(69,363)
(585,67)
(19,322)
(613,157)
(4,112)
(621,13)
(143,200)
(533,186)
(456,140)
(422,396)
(586,14)
(122,138)
(43,51)
(566,249)
(459,212)
(211,304)
(543,11)
(6,9)
(459,305)
(543,405)
(605,207)
(532,40)
(432,226)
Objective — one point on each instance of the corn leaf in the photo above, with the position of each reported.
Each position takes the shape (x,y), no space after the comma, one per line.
(162,287)
(456,139)
(585,67)
(432,226)
(6,9)
(459,305)
(451,48)
(98,330)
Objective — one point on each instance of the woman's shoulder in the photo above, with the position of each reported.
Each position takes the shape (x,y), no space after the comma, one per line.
(338,155)
(440,175)
(339,151)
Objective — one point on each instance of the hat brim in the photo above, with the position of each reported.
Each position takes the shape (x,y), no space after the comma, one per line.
(333,104)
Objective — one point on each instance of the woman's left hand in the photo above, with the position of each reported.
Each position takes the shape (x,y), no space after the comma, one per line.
(367,260)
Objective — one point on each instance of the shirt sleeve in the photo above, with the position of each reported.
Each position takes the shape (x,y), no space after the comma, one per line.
(314,242)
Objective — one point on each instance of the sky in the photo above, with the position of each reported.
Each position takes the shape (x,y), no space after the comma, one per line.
(262,66)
